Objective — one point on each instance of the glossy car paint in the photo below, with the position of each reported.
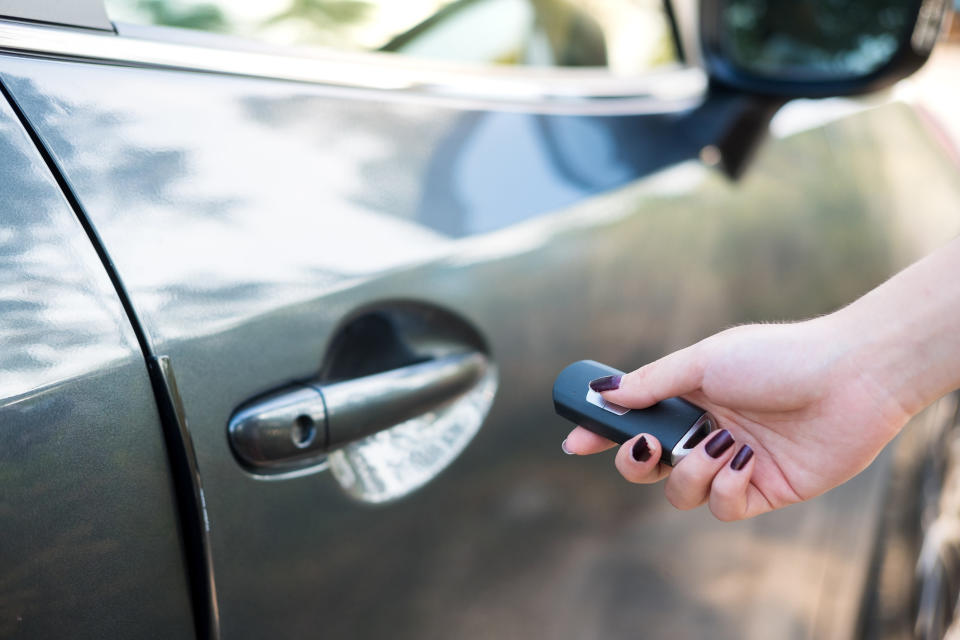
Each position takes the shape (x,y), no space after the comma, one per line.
(249,218)
(90,539)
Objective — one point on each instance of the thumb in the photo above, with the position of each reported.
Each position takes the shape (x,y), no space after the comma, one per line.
(672,375)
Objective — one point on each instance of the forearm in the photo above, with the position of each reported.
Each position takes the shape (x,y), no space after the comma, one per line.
(905,334)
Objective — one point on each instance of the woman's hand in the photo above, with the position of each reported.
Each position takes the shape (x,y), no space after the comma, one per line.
(813,401)
(802,407)
(804,416)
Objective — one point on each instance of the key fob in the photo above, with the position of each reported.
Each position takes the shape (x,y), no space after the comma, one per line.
(678,425)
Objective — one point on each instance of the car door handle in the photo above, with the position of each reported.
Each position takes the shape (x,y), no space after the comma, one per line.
(296,427)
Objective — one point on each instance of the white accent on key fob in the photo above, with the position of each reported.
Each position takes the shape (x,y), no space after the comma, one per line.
(595,398)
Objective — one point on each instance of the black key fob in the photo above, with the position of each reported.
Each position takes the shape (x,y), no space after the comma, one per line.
(678,425)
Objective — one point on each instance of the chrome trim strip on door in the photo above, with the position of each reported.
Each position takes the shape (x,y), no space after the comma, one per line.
(653,92)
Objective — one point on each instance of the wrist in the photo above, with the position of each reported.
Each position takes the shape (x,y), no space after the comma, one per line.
(903,334)
(879,354)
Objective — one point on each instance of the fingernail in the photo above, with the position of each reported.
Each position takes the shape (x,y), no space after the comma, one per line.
(606,383)
(719,443)
(742,458)
(563,445)
(641,450)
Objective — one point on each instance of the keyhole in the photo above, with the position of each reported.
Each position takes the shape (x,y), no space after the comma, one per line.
(303,432)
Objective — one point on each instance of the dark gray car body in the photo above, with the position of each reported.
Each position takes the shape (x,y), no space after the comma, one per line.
(248,218)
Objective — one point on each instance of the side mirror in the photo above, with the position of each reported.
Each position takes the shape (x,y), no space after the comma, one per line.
(816,48)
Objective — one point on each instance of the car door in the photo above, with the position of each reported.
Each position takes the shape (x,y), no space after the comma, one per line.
(91,545)
(284,224)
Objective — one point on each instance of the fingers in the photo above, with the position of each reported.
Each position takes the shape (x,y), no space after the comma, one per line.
(689,484)
(638,460)
(673,375)
(582,442)
(717,471)
(732,497)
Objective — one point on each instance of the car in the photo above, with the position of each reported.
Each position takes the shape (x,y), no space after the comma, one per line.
(280,324)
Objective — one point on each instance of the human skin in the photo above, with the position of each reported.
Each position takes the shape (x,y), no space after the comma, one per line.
(815,401)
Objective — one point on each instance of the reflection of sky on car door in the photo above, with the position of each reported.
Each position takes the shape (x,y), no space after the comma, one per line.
(300,190)
(60,313)
(182,181)
(222,199)
(495,198)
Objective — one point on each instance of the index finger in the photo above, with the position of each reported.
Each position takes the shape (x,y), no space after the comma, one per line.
(672,375)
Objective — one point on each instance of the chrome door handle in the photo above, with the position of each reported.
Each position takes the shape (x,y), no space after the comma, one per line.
(296,427)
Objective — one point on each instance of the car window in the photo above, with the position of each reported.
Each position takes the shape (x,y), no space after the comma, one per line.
(629,36)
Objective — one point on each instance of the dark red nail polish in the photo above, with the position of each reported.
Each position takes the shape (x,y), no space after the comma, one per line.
(719,443)
(641,450)
(742,458)
(606,383)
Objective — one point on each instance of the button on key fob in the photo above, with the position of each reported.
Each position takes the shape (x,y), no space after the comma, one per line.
(678,425)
